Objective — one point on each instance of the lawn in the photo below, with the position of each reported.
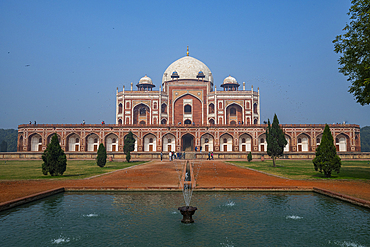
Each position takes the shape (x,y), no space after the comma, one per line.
(76,169)
(304,169)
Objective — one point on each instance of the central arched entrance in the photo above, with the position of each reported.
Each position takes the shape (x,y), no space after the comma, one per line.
(187,143)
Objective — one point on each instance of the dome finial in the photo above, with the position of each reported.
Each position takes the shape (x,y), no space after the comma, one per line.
(187,52)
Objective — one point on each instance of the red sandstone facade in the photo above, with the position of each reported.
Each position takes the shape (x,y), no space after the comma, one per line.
(188,114)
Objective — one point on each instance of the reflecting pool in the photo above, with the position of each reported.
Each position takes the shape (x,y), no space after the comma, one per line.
(152,219)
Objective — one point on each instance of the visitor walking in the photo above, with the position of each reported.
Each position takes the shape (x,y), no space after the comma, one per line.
(169,155)
(211,155)
(161,156)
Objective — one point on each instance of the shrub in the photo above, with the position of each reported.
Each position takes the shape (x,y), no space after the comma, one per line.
(101,159)
(55,160)
(249,157)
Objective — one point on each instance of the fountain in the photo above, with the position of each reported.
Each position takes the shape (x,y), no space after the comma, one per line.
(187,183)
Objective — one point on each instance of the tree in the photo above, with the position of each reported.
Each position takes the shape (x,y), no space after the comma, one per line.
(3,146)
(275,139)
(326,159)
(354,46)
(129,145)
(11,137)
(365,139)
(101,159)
(55,160)
(249,157)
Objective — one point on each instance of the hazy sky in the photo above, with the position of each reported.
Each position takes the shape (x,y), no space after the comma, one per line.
(61,61)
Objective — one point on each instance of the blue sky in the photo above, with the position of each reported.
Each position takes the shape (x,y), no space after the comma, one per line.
(61,61)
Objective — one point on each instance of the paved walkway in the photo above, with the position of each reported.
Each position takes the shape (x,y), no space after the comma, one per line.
(165,175)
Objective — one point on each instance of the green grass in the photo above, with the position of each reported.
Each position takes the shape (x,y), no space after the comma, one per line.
(76,169)
(304,169)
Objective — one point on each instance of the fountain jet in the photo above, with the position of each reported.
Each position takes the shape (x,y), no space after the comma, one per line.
(187,184)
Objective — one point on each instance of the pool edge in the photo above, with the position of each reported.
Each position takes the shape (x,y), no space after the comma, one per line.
(34,197)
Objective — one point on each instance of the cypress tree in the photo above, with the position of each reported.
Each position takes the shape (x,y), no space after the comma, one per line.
(326,159)
(55,160)
(101,159)
(129,145)
(249,157)
(275,139)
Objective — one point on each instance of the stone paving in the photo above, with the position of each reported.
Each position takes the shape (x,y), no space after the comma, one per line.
(210,175)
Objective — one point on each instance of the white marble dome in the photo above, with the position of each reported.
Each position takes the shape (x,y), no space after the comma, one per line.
(145,80)
(230,80)
(187,68)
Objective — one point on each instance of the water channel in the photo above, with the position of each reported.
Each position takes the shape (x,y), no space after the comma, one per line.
(152,219)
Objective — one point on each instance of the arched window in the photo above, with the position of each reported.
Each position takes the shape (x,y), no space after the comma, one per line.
(243,140)
(77,140)
(336,140)
(232,122)
(164,108)
(225,140)
(40,140)
(219,105)
(212,122)
(155,105)
(119,108)
(317,140)
(247,105)
(127,105)
(187,121)
(142,122)
(299,140)
(255,108)
(142,111)
(114,140)
(187,109)
(211,108)
(232,111)
(206,140)
(96,140)
(164,121)
(169,141)
(255,121)
(120,121)
(151,140)
(262,140)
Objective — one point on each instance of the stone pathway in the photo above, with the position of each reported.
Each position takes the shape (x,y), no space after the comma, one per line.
(165,175)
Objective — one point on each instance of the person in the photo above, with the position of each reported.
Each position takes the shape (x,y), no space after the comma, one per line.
(169,155)
(200,149)
(184,154)
(35,122)
(196,148)
(161,156)
(30,122)
(83,121)
(211,155)
(102,122)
